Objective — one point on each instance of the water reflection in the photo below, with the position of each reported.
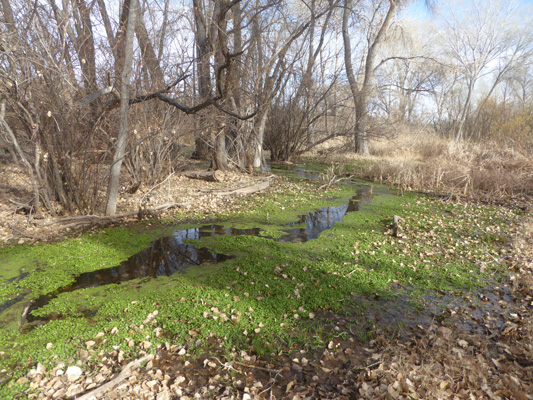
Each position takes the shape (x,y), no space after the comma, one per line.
(172,254)
(318,221)
(164,257)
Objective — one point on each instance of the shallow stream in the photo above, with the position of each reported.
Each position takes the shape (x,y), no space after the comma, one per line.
(177,252)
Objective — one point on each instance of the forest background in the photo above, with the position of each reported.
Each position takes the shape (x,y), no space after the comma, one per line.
(93,88)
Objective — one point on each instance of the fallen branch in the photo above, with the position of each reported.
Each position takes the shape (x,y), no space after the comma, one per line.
(23,234)
(115,381)
(84,219)
(211,176)
(241,190)
(271,370)
(240,185)
(26,208)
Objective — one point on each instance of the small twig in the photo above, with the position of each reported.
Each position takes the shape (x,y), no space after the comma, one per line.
(225,365)
(277,371)
(373,364)
(114,382)
(494,258)
(228,366)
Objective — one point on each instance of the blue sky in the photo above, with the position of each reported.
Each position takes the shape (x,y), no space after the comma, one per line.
(417,9)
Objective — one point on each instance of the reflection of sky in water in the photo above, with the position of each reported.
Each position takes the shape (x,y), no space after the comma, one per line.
(315,223)
(171,254)
(323,219)
(164,257)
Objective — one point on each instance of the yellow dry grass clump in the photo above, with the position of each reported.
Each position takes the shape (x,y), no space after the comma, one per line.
(488,171)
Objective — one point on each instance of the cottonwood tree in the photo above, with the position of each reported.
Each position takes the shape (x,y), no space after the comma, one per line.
(362,93)
(407,74)
(114,176)
(481,40)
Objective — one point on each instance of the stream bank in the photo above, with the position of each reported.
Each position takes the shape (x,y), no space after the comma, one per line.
(278,295)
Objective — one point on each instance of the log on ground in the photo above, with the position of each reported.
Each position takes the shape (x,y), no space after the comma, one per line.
(210,176)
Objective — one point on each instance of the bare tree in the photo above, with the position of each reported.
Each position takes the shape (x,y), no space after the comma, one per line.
(361,95)
(476,35)
(114,176)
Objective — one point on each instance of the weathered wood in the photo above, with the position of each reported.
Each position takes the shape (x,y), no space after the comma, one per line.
(86,219)
(210,176)
(396,228)
(243,190)
(241,185)
(126,372)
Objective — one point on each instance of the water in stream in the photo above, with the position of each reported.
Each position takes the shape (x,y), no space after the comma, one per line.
(172,254)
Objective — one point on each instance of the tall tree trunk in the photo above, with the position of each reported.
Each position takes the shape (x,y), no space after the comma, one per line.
(223,80)
(86,52)
(203,53)
(8,19)
(107,25)
(361,97)
(259,139)
(203,46)
(148,55)
(120,40)
(114,177)
(348,60)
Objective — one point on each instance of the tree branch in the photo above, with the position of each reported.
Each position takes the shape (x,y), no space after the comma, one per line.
(407,58)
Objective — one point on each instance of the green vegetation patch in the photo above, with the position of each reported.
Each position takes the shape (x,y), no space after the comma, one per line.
(268,296)
(46,268)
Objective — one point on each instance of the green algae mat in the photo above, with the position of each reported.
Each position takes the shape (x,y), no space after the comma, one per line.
(266,294)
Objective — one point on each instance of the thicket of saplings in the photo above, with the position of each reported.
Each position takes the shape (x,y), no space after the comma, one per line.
(76,148)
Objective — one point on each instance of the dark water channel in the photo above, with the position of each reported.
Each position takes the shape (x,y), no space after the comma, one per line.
(172,254)
(300,170)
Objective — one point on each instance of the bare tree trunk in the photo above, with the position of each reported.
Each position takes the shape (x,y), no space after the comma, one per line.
(220,155)
(361,96)
(163,32)
(114,177)
(203,52)
(348,61)
(107,24)
(85,46)
(203,45)
(9,21)
(148,55)
(259,139)
(34,181)
(120,39)
(464,112)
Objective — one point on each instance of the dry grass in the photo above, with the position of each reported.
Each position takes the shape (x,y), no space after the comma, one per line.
(421,160)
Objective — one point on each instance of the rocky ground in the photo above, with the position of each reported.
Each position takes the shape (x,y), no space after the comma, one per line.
(479,353)
(437,362)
